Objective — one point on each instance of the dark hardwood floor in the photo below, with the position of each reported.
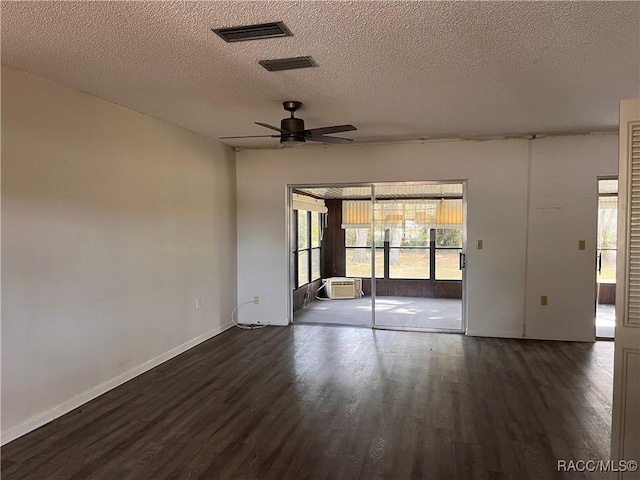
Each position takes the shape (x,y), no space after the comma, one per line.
(338,403)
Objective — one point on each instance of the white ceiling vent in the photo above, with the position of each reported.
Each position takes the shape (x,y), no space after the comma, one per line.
(253,32)
(288,63)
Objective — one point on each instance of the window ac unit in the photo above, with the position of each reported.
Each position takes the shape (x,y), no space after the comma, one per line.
(340,288)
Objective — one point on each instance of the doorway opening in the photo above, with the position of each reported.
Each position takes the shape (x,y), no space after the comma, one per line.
(606,258)
(391,256)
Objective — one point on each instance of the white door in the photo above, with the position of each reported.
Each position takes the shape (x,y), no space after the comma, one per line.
(625,432)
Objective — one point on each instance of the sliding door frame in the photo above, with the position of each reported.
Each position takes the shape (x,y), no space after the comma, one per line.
(291,239)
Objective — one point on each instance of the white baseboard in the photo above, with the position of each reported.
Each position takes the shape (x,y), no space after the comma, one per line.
(480,333)
(532,336)
(46,416)
(562,337)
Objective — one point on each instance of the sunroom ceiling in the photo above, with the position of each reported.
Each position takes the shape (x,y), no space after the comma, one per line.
(423,190)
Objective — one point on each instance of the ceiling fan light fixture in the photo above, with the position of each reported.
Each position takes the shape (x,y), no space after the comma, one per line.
(292,140)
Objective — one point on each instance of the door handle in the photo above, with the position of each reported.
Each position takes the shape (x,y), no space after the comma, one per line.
(599,261)
(463,260)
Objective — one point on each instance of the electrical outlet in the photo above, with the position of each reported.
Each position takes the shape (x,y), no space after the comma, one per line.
(582,244)
(256,300)
(544,300)
(198,304)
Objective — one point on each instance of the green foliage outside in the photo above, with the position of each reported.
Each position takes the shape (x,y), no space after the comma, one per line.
(412,264)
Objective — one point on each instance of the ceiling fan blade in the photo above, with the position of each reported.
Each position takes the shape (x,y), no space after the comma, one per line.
(326,139)
(251,136)
(335,129)
(266,125)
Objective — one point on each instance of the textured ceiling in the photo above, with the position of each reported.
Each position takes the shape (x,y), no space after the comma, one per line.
(396,70)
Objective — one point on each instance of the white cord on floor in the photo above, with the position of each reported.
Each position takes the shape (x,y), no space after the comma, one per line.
(324,284)
(245,326)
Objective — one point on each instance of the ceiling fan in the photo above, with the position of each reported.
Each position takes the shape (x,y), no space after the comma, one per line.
(292,131)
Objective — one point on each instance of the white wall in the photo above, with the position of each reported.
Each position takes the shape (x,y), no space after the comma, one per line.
(494,273)
(498,177)
(113,223)
(563,211)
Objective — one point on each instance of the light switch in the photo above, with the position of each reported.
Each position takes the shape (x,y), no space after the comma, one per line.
(582,244)
(544,300)
(479,244)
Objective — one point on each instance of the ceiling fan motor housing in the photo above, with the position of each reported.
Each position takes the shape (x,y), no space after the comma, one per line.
(294,125)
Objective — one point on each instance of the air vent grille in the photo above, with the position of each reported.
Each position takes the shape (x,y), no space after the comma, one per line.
(288,63)
(253,32)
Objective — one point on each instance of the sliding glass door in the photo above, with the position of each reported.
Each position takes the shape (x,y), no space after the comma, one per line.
(418,242)
(330,251)
(398,246)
